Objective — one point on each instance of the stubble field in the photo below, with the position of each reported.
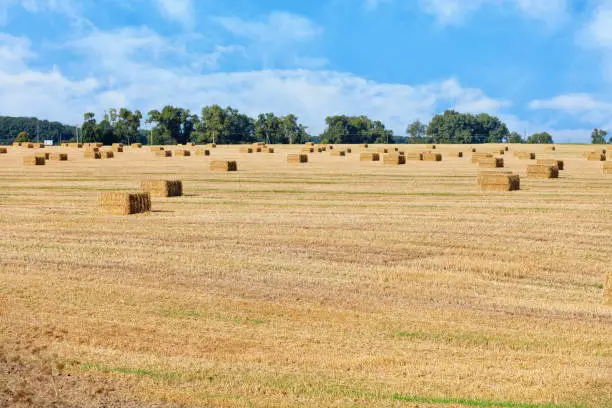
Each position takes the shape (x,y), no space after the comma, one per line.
(331,283)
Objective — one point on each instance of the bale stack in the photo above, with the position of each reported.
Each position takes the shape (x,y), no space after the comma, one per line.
(349,150)
(364,146)
(429,156)
(58,156)
(117,147)
(3,150)
(430,147)
(501,151)
(163,153)
(182,153)
(321,148)
(607,167)
(499,181)
(506,148)
(223,166)
(269,150)
(417,156)
(308,150)
(476,157)
(338,153)
(136,145)
(16,144)
(211,145)
(491,162)
(90,154)
(246,150)
(525,155)
(473,150)
(190,144)
(157,148)
(114,203)
(330,147)
(309,144)
(369,156)
(382,150)
(456,154)
(394,159)
(297,158)
(596,156)
(107,154)
(542,171)
(202,152)
(34,160)
(28,145)
(550,148)
(91,149)
(162,188)
(552,162)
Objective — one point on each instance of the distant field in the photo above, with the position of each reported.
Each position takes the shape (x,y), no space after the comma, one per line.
(331,283)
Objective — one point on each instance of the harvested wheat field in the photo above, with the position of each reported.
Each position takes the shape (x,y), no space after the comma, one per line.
(342,283)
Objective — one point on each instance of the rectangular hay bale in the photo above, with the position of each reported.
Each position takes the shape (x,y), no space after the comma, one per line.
(551,162)
(499,181)
(162,188)
(58,156)
(297,158)
(222,165)
(369,156)
(118,203)
(394,159)
(491,162)
(429,156)
(34,160)
(542,171)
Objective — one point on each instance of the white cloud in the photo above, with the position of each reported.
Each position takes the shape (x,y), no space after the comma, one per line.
(181,11)
(69,8)
(278,40)
(277,27)
(583,107)
(454,12)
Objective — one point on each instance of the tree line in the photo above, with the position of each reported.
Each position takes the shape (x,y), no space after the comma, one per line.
(214,124)
(42,130)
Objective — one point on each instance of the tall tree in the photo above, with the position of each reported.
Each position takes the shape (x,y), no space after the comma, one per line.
(23,136)
(455,127)
(268,128)
(515,137)
(89,130)
(211,124)
(598,136)
(172,125)
(417,131)
(292,131)
(540,138)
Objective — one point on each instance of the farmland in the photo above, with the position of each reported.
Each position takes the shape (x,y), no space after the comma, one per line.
(335,282)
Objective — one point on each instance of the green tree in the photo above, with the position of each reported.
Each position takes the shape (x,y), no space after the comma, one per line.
(23,136)
(540,138)
(598,136)
(268,128)
(211,124)
(455,127)
(515,137)
(292,131)
(417,132)
(171,126)
(89,130)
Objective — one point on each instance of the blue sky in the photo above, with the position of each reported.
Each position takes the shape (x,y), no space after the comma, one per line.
(538,64)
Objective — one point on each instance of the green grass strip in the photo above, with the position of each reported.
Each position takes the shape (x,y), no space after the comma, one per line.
(479,403)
